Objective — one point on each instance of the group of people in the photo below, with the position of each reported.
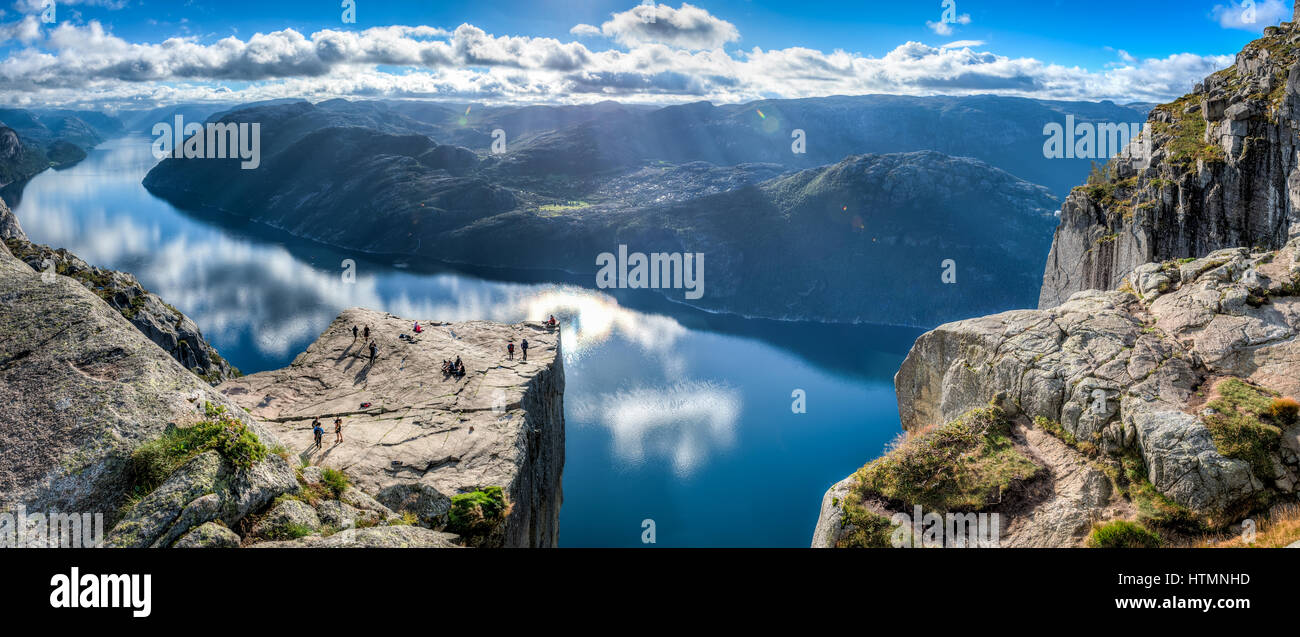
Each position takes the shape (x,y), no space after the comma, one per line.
(365,335)
(453,368)
(319,432)
(510,349)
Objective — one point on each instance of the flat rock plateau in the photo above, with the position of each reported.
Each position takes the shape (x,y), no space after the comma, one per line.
(414,436)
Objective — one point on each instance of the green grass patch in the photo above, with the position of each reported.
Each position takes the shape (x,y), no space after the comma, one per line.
(1122,534)
(477,515)
(867,529)
(336,481)
(154,461)
(964,465)
(1243,425)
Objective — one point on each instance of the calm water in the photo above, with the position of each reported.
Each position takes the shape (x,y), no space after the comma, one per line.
(673,415)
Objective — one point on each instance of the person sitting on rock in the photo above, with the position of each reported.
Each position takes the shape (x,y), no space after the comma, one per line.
(551,322)
(459,367)
(524,346)
(418,329)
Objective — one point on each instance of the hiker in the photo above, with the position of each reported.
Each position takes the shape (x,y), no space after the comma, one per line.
(354,332)
(374,352)
(447,367)
(418,329)
(338,430)
(459,367)
(551,322)
(318,432)
(510,350)
(366,333)
(524,346)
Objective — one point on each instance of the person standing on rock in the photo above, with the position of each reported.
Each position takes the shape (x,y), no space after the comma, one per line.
(374,352)
(524,346)
(510,350)
(367,333)
(318,432)
(338,430)
(354,333)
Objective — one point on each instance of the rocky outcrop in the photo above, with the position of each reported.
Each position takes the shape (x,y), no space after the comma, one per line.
(163,324)
(1128,382)
(9,227)
(1215,169)
(82,390)
(382,537)
(1129,370)
(416,437)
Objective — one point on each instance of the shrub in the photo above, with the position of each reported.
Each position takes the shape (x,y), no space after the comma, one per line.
(154,461)
(335,480)
(1284,410)
(1122,534)
(962,466)
(1238,426)
(478,515)
(869,530)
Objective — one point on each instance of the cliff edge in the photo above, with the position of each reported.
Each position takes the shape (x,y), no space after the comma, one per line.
(418,438)
(1215,169)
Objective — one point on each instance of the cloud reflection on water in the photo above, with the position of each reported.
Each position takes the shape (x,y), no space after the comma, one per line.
(246,290)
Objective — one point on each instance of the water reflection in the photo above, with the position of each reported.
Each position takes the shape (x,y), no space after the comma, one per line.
(665,405)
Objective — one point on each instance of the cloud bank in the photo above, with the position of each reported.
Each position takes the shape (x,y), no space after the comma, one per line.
(654,53)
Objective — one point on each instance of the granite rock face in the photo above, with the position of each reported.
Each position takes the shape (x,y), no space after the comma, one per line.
(9,227)
(1215,169)
(1126,374)
(415,437)
(163,324)
(1124,369)
(82,389)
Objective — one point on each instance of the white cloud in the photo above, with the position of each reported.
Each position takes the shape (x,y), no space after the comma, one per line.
(1251,15)
(687,27)
(84,64)
(585,31)
(944,27)
(37,6)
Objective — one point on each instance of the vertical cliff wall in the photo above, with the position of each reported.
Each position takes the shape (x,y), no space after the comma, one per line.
(1215,169)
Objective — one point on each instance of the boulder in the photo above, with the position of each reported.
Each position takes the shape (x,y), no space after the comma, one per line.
(209,535)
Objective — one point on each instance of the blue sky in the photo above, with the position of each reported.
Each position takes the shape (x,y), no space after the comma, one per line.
(115,51)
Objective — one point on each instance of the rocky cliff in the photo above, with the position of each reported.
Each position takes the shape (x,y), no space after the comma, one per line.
(1215,169)
(83,390)
(163,324)
(418,438)
(1164,401)
(9,226)
(99,419)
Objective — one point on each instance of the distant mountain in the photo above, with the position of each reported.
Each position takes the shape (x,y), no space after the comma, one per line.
(143,121)
(34,140)
(860,240)
(1002,131)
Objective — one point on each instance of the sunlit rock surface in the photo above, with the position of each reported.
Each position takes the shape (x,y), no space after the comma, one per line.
(415,437)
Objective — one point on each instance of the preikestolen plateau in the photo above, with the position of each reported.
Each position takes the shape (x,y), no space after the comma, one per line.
(1003,282)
